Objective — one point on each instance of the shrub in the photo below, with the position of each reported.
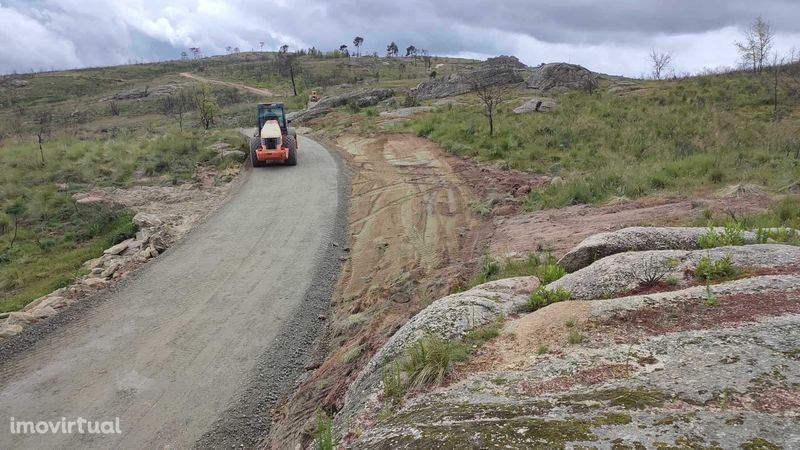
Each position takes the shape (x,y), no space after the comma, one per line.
(730,235)
(715,270)
(575,338)
(550,272)
(710,299)
(393,386)
(653,270)
(543,297)
(430,359)
(542,349)
(323,435)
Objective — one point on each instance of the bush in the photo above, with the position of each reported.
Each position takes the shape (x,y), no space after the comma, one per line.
(430,359)
(550,272)
(730,235)
(323,435)
(543,297)
(653,270)
(715,270)
(394,388)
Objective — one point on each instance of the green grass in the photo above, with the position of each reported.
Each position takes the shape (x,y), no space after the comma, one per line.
(534,264)
(323,435)
(784,214)
(428,361)
(55,234)
(543,297)
(681,135)
(720,269)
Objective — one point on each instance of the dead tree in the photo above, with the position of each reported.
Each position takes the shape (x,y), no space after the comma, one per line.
(44,120)
(757,44)
(660,61)
(490,96)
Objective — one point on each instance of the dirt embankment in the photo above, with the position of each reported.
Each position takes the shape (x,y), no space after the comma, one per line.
(412,235)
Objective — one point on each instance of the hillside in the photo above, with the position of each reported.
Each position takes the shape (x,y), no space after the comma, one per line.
(533,285)
(127,126)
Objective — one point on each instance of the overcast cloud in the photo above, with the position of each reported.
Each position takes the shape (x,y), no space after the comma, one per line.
(612,36)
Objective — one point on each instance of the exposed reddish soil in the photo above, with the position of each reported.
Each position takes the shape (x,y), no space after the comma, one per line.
(558,230)
(696,315)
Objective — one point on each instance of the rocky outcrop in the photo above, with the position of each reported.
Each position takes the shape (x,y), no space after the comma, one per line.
(624,272)
(637,239)
(145,91)
(406,112)
(361,98)
(662,370)
(495,71)
(536,104)
(673,391)
(449,317)
(561,76)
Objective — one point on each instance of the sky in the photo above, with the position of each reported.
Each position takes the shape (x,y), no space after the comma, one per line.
(611,36)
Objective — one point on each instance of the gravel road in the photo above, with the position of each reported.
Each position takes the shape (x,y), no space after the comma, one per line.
(193,349)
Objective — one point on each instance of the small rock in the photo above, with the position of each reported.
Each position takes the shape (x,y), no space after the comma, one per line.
(43,312)
(7,331)
(20,318)
(110,271)
(117,249)
(161,240)
(57,302)
(90,200)
(96,283)
(98,270)
(536,104)
(557,181)
(143,220)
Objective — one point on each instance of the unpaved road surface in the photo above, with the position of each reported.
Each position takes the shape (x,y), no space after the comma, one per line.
(200,342)
(243,87)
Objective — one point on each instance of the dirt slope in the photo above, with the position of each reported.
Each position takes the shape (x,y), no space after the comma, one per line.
(413,235)
(177,346)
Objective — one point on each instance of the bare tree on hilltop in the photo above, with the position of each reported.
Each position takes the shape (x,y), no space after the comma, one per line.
(757,44)
(358,42)
(661,61)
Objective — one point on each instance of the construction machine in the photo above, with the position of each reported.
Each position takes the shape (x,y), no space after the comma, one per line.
(274,139)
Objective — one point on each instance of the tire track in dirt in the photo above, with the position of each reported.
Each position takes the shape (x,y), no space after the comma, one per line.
(413,237)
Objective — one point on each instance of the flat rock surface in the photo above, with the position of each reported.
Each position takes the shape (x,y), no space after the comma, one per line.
(637,239)
(623,272)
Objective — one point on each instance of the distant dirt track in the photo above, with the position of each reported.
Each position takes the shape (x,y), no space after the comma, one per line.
(243,87)
(194,349)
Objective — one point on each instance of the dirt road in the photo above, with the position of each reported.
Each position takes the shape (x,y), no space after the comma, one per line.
(194,348)
(243,87)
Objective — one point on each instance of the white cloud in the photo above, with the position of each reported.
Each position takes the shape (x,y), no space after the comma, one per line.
(612,36)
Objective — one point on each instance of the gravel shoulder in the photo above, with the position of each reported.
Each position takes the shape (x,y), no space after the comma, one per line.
(220,324)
